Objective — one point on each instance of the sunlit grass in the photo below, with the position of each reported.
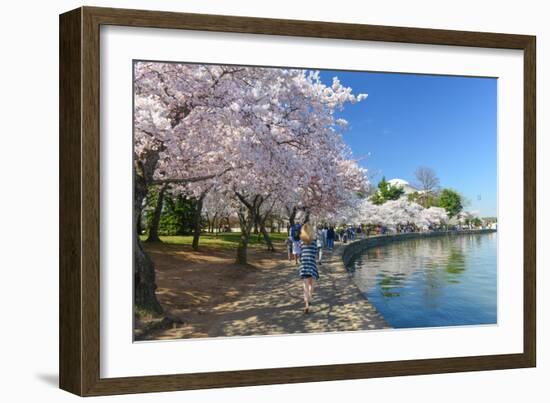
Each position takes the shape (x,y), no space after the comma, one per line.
(226,240)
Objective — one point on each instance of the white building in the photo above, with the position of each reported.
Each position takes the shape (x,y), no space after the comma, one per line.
(407,187)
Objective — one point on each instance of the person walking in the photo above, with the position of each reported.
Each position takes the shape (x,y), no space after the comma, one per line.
(308,263)
(330,238)
(289,244)
(320,245)
(296,244)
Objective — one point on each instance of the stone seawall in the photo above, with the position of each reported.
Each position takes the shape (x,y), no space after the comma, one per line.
(356,247)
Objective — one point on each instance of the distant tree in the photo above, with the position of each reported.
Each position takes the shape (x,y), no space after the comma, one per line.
(477,222)
(377,199)
(178,215)
(428,182)
(451,201)
(425,200)
(386,191)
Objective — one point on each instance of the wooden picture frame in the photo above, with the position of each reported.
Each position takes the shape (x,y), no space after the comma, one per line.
(79,347)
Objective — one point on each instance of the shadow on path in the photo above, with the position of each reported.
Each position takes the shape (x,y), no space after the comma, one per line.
(274,305)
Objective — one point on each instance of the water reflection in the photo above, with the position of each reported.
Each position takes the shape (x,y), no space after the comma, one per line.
(440,281)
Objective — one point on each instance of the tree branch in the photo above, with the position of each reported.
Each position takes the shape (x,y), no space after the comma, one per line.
(189,180)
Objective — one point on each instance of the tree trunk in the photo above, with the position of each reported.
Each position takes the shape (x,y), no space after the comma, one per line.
(154,229)
(214,222)
(260,222)
(267,239)
(144,281)
(197,221)
(292,215)
(246,220)
(208,222)
(139,225)
(144,270)
(306,219)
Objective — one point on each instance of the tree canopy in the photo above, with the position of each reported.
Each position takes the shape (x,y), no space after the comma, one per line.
(451,201)
(386,191)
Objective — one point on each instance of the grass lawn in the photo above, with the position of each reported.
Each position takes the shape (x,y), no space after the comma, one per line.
(228,240)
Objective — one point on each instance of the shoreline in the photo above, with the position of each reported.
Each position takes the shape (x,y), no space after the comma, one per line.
(352,249)
(355,247)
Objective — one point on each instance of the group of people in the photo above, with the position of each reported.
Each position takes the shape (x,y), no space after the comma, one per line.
(305,246)
(324,238)
(350,234)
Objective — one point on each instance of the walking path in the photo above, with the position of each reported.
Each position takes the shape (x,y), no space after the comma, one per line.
(275,305)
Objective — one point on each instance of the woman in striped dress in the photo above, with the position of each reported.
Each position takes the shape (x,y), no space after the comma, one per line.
(308,263)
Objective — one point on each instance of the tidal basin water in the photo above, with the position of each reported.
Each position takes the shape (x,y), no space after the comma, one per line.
(445,280)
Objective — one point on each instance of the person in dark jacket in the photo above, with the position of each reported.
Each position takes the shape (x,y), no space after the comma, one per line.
(330,238)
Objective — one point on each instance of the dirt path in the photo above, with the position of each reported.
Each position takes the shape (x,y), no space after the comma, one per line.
(270,301)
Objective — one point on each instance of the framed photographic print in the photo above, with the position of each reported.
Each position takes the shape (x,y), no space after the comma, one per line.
(249,201)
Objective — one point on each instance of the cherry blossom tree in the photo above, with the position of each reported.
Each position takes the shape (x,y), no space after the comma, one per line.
(398,212)
(243,131)
(434,216)
(370,213)
(289,147)
(217,207)
(467,217)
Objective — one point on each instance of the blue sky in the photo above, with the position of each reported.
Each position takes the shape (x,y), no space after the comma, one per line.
(447,123)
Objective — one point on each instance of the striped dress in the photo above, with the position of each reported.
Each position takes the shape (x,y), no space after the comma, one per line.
(308,261)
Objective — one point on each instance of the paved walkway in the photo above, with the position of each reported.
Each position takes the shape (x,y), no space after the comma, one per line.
(275,305)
